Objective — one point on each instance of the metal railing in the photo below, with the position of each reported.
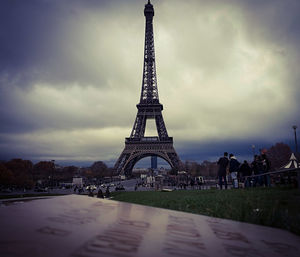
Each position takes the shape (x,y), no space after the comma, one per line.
(278,172)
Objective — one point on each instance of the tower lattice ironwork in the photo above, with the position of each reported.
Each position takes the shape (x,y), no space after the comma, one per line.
(137,146)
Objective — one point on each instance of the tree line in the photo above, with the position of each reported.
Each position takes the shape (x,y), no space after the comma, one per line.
(20,173)
(24,174)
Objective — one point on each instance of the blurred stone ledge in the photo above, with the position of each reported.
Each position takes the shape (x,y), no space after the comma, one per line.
(82,226)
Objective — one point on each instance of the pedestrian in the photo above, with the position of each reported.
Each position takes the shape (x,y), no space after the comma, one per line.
(107,193)
(192,183)
(100,193)
(254,167)
(245,172)
(222,162)
(266,168)
(80,190)
(260,168)
(233,169)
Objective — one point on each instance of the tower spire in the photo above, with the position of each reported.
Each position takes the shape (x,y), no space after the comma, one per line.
(149,92)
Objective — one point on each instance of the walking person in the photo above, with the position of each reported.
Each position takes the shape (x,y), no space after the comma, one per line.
(223,163)
(80,190)
(91,193)
(245,172)
(254,166)
(233,169)
(192,183)
(107,193)
(260,168)
(100,193)
(266,168)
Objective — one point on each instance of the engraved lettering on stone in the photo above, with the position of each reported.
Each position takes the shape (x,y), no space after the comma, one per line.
(227,235)
(76,216)
(121,240)
(281,248)
(54,231)
(239,251)
(106,206)
(182,238)
(213,220)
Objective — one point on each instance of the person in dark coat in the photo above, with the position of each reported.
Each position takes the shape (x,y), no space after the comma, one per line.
(266,168)
(223,163)
(80,190)
(192,183)
(100,193)
(254,166)
(107,193)
(260,168)
(234,166)
(245,171)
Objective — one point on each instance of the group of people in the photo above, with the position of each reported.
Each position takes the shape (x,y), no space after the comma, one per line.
(250,174)
(80,189)
(100,193)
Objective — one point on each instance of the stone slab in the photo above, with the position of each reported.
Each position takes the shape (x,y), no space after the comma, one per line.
(81,226)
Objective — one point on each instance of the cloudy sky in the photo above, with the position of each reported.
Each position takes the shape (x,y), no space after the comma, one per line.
(71,73)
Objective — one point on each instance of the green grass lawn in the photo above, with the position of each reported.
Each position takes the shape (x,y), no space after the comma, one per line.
(275,207)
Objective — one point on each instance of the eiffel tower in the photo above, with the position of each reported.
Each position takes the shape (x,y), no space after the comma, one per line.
(137,146)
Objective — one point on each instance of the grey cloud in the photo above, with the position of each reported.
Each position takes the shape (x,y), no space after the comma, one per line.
(46,41)
(71,66)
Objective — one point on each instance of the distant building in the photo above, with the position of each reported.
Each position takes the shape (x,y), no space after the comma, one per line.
(140,170)
(77,182)
(164,171)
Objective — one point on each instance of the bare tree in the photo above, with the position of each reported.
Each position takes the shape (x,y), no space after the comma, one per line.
(279,155)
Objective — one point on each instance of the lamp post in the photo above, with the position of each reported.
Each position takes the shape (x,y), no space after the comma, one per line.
(53,171)
(296,144)
(253,150)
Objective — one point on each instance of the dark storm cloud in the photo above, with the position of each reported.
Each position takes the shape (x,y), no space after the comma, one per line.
(70,73)
(29,30)
(37,37)
(276,24)
(211,151)
(275,19)
(39,43)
